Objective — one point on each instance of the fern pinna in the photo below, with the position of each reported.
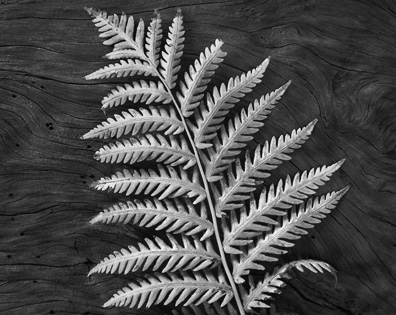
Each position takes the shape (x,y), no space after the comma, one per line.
(200,190)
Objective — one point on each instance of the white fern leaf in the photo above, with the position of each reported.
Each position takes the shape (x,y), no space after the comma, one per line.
(184,290)
(274,202)
(157,254)
(142,91)
(268,157)
(289,229)
(174,151)
(235,188)
(150,119)
(197,78)
(240,130)
(273,283)
(173,216)
(243,126)
(167,182)
(153,39)
(124,68)
(173,51)
(209,120)
(233,192)
(119,32)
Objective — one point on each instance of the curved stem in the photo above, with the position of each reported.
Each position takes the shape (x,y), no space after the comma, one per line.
(205,182)
(213,215)
(209,197)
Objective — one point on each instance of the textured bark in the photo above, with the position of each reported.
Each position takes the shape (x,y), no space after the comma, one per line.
(341,57)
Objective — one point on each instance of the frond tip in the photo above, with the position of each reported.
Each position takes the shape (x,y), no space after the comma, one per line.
(184,290)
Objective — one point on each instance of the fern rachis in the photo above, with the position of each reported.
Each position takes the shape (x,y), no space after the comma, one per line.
(196,165)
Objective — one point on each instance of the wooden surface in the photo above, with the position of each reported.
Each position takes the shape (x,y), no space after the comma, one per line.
(341,56)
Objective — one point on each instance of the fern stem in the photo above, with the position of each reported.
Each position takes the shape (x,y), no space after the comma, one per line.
(212,212)
(205,182)
(209,198)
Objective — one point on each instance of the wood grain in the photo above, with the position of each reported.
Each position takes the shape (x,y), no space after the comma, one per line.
(341,57)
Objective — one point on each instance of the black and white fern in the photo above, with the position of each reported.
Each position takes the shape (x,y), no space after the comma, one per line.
(200,188)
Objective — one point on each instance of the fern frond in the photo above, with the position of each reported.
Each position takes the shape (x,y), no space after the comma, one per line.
(142,91)
(153,39)
(236,185)
(197,78)
(268,157)
(167,182)
(173,216)
(209,120)
(173,51)
(274,203)
(240,129)
(148,147)
(124,68)
(150,119)
(272,283)
(165,289)
(119,32)
(289,229)
(233,192)
(158,255)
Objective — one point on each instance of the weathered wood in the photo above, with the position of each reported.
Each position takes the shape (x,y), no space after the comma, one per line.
(341,57)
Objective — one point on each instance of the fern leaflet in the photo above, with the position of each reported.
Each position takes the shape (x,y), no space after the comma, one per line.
(157,254)
(122,69)
(290,229)
(148,147)
(169,215)
(184,290)
(235,188)
(166,183)
(198,77)
(274,203)
(208,120)
(153,39)
(150,119)
(240,129)
(273,283)
(173,51)
(119,31)
(239,132)
(142,91)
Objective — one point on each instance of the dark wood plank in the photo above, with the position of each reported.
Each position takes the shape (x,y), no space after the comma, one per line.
(341,57)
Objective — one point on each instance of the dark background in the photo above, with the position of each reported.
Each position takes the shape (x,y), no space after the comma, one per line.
(341,57)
